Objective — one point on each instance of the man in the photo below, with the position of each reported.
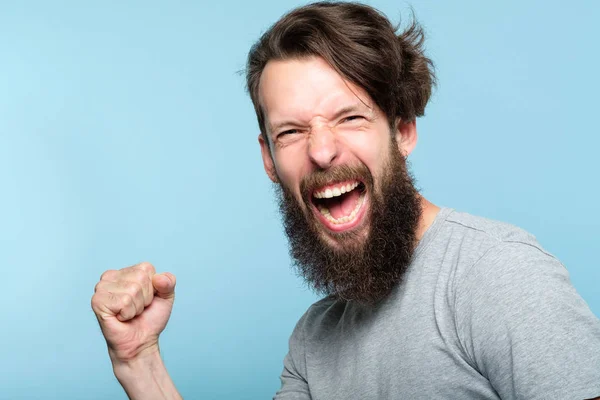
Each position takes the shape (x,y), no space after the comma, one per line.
(420,301)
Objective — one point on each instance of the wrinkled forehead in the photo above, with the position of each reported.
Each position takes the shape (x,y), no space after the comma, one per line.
(303,89)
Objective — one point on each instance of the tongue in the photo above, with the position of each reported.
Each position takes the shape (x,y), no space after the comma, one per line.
(343,205)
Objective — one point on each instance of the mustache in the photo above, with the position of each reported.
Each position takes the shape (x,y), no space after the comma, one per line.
(338,173)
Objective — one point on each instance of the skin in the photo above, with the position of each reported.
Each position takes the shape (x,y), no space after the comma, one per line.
(133,306)
(305,99)
(316,120)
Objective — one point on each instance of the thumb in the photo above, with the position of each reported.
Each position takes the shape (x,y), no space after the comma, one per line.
(164,285)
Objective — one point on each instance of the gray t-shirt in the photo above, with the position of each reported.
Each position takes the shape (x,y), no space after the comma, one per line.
(482,313)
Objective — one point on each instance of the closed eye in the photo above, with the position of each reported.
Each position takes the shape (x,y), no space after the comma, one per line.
(288,136)
(352,118)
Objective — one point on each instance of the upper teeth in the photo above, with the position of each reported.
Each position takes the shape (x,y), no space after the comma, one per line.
(335,191)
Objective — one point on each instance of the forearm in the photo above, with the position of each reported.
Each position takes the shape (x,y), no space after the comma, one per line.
(146,379)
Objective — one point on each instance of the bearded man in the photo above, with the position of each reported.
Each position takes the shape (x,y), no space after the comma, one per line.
(419,302)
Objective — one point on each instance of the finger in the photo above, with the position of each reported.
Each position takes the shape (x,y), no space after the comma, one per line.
(128,308)
(146,267)
(106,305)
(164,285)
(131,289)
(140,277)
(109,275)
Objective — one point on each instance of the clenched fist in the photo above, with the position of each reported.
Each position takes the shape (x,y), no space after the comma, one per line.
(133,306)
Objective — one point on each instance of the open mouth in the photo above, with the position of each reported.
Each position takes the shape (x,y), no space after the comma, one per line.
(340,205)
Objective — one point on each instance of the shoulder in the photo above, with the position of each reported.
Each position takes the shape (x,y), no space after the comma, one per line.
(466,243)
(487,230)
(520,320)
(498,253)
(482,240)
(512,276)
(320,315)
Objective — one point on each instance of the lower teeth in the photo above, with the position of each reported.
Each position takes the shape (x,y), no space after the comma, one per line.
(347,218)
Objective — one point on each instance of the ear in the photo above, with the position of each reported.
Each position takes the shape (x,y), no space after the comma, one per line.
(267,159)
(406,136)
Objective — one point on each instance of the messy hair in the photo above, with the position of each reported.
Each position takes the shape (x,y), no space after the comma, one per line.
(361,44)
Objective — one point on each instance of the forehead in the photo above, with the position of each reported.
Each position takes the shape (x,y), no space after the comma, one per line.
(306,88)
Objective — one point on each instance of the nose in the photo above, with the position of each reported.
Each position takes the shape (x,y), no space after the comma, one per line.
(322,147)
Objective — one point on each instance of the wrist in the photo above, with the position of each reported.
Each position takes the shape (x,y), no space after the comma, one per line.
(131,357)
(145,377)
(147,360)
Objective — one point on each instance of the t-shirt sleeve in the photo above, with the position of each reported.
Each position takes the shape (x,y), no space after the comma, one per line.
(524,327)
(294,385)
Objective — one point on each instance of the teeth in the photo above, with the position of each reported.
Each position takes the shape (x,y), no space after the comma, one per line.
(336,191)
(347,218)
(325,212)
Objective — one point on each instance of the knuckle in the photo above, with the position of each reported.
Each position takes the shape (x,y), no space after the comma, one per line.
(95,302)
(146,266)
(132,288)
(108,274)
(102,287)
(140,276)
(126,300)
(100,301)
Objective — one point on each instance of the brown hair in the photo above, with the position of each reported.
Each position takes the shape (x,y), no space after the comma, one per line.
(361,44)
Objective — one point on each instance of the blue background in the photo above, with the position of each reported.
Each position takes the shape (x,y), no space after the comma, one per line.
(126,135)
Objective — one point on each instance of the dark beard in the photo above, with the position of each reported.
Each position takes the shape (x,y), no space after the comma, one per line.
(361,269)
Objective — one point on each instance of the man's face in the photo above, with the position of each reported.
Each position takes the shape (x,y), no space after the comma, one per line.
(317,123)
(345,190)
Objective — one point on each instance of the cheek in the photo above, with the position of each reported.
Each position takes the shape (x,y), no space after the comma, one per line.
(290,167)
(371,149)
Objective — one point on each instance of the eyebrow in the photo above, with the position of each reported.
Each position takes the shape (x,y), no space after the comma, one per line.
(344,110)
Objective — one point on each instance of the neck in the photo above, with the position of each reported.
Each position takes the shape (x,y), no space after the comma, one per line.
(428,214)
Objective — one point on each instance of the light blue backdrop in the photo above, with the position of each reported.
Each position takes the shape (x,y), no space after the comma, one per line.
(126,135)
